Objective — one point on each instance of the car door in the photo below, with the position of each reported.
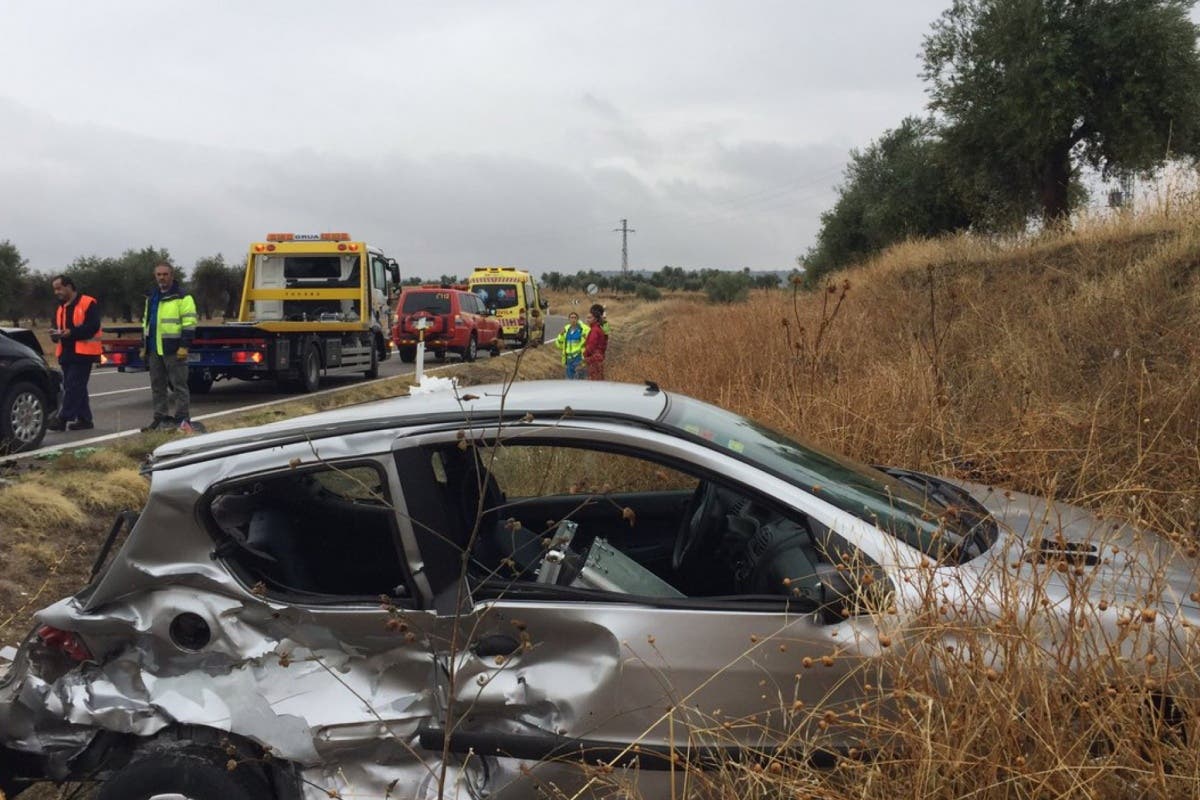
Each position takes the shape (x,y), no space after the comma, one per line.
(485,323)
(349,682)
(541,675)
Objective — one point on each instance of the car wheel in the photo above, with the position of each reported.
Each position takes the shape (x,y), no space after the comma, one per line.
(195,776)
(408,354)
(23,417)
(310,371)
(471,351)
(199,382)
(440,355)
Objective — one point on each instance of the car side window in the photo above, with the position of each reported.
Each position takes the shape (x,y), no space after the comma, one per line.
(326,533)
(586,519)
(378,272)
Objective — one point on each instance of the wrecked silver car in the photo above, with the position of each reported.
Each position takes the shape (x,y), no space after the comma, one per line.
(549,584)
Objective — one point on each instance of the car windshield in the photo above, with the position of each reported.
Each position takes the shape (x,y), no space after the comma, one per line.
(433,302)
(496,295)
(902,509)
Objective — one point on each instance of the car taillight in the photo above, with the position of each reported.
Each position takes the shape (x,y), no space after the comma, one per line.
(115,358)
(65,642)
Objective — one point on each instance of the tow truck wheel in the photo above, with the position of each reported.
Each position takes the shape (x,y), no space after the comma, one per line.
(310,373)
(192,775)
(373,370)
(199,382)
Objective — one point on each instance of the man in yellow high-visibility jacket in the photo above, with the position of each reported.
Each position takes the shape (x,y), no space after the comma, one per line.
(570,341)
(169,323)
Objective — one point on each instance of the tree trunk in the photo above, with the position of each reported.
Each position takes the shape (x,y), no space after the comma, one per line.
(1055,181)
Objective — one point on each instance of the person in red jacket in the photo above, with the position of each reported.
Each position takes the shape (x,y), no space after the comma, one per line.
(594,346)
(76,336)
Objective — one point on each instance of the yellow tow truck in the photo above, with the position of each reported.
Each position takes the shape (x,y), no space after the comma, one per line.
(312,305)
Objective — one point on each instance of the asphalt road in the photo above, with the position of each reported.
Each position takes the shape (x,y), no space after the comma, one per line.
(121,400)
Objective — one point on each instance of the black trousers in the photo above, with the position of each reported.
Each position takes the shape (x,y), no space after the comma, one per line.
(75,391)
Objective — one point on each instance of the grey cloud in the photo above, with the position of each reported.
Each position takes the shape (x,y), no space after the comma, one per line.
(601,108)
(94,190)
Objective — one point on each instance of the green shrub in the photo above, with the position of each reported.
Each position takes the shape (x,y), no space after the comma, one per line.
(647,292)
(728,287)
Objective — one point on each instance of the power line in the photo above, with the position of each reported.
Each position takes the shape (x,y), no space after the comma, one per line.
(625,230)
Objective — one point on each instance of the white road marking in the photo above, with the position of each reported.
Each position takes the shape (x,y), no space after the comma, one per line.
(119,391)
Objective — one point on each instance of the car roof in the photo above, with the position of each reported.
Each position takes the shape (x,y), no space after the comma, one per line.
(542,399)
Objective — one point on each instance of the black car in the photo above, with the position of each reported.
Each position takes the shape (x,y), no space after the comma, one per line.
(30,391)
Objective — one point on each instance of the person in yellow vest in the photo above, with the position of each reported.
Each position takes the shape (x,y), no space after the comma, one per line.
(570,342)
(76,335)
(169,324)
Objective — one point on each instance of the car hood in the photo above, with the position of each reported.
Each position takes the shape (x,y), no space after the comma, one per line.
(1121,563)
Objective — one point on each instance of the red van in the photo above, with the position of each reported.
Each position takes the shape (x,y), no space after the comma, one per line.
(458,323)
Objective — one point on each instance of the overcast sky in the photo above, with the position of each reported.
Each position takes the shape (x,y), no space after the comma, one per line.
(450,134)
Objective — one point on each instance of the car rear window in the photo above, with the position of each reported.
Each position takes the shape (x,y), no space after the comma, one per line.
(433,302)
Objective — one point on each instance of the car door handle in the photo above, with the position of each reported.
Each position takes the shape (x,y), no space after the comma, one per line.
(496,644)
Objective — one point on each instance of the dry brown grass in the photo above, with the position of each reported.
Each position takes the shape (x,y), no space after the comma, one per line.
(36,506)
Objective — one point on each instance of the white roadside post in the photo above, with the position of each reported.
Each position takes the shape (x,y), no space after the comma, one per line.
(421,323)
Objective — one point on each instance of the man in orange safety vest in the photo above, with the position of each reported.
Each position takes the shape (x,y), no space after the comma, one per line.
(77,336)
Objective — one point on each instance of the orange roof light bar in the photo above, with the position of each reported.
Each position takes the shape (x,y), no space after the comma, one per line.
(308,237)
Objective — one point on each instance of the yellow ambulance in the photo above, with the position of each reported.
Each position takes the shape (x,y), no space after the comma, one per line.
(513,295)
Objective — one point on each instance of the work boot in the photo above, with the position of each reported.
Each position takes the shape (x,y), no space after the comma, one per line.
(157,424)
(57,424)
(80,425)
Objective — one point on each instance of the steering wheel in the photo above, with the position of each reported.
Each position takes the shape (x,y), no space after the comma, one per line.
(700,521)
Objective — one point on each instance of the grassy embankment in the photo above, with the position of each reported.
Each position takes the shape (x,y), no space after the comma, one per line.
(1064,364)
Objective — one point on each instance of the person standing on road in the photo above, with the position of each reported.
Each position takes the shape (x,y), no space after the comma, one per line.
(570,341)
(595,345)
(76,335)
(168,323)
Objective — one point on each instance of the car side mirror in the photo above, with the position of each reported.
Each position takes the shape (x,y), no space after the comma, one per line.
(837,596)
